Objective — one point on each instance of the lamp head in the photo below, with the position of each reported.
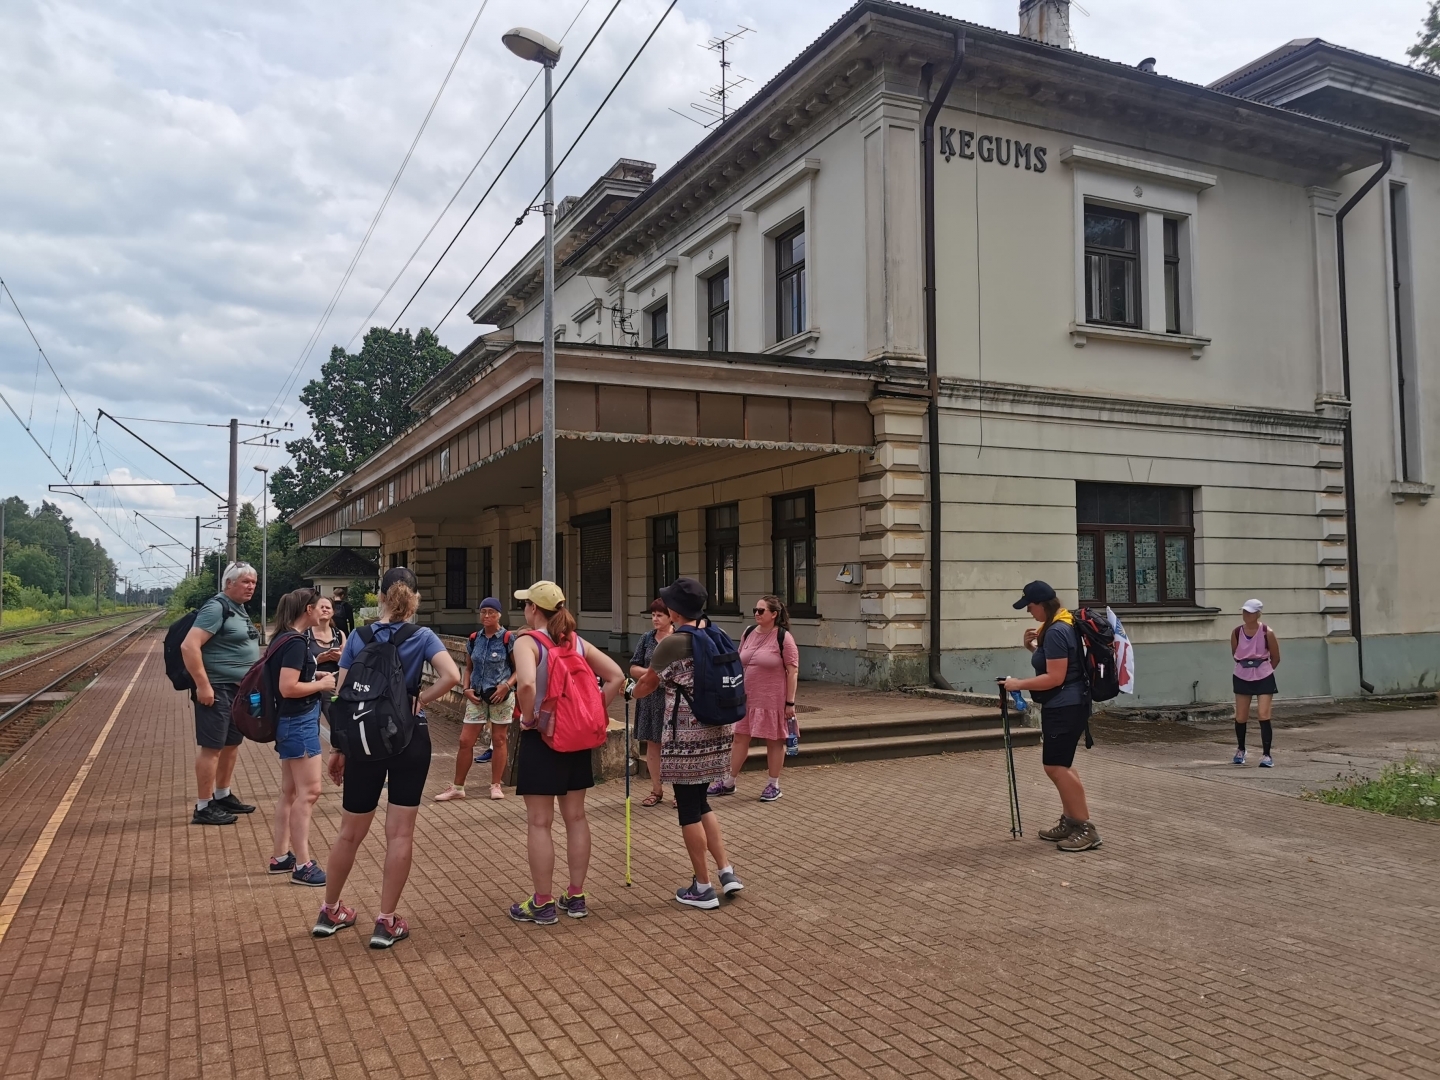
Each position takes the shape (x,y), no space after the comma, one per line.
(532,45)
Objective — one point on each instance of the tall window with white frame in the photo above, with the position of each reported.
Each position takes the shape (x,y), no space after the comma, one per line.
(660,327)
(790,283)
(717,293)
(1403,301)
(1112,266)
(722,558)
(792,531)
(1171,229)
(1135,545)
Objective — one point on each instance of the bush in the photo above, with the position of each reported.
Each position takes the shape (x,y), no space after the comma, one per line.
(1409,789)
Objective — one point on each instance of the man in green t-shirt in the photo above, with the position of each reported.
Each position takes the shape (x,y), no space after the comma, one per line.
(219,649)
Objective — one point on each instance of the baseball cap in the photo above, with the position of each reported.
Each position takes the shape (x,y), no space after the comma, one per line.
(491,603)
(399,574)
(687,596)
(1252,605)
(1037,592)
(545,595)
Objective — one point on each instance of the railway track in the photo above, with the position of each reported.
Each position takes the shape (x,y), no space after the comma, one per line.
(42,629)
(36,677)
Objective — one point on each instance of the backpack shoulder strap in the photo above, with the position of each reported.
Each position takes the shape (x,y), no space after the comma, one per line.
(746,632)
(404,634)
(366,634)
(473,636)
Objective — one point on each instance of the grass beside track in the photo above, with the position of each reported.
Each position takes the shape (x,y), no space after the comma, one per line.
(1408,789)
(45,637)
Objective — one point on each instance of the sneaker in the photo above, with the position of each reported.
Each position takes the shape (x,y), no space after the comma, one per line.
(574,906)
(729,883)
(387,934)
(309,874)
(328,921)
(1266,761)
(212,815)
(539,914)
(1083,838)
(232,804)
(771,793)
(482,758)
(1239,758)
(697,895)
(719,787)
(1059,831)
(496,791)
(282,866)
(452,792)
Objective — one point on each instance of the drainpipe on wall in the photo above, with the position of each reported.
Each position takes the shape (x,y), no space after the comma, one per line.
(1352,543)
(927,150)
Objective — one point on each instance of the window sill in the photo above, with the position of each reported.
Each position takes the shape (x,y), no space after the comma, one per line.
(1080,333)
(1141,616)
(1400,490)
(809,340)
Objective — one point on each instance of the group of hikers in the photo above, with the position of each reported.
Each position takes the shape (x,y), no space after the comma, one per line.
(558,689)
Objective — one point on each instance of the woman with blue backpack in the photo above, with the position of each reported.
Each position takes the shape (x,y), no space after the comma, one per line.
(699,668)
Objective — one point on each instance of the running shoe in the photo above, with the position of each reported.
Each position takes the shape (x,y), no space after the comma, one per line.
(719,787)
(482,758)
(452,792)
(1266,761)
(1239,758)
(1083,838)
(697,895)
(309,874)
(771,793)
(1059,831)
(496,791)
(283,866)
(729,883)
(539,914)
(330,920)
(232,804)
(212,815)
(574,906)
(387,934)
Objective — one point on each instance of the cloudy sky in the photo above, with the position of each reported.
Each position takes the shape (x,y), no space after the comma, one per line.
(183,184)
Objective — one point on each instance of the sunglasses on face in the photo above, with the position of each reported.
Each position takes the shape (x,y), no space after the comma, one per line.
(763,611)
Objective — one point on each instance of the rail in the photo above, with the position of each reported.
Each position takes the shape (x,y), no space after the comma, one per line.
(50,628)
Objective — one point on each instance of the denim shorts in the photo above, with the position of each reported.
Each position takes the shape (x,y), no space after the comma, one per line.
(299,736)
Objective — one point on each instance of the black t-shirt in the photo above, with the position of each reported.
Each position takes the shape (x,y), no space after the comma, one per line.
(294,654)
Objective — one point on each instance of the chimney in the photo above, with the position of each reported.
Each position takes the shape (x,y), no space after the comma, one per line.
(1046,21)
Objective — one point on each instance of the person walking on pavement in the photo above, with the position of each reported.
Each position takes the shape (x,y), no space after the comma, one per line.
(404,774)
(1256,650)
(692,755)
(344,613)
(219,649)
(1063,693)
(326,642)
(772,673)
(301,689)
(489,700)
(650,711)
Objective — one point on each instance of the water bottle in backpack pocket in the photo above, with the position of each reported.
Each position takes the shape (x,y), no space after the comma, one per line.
(254,710)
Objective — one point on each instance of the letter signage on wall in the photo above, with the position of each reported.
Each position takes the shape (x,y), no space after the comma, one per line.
(992,149)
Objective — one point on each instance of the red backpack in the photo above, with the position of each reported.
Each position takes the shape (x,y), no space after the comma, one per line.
(572,716)
(255,709)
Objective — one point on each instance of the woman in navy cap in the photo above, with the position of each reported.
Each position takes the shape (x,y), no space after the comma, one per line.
(1060,687)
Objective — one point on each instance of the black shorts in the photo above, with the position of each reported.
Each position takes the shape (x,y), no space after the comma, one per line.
(1249,688)
(1060,730)
(213,728)
(691,802)
(543,771)
(405,772)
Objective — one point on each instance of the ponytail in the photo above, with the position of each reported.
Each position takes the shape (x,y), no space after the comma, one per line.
(559,624)
(1052,608)
(782,613)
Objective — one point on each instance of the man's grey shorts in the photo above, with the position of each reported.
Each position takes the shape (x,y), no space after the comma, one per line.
(213,729)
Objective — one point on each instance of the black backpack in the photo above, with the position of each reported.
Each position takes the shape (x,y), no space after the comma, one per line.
(373,717)
(175,669)
(719,694)
(1097,636)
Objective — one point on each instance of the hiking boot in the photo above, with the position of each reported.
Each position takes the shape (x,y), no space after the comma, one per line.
(697,895)
(1059,831)
(1266,761)
(574,906)
(539,914)
(1083,838)
(232,804)
(729,883)
(283,865)
(309,874)
(1239,758)
(332,919)
(387,934)
(212,815)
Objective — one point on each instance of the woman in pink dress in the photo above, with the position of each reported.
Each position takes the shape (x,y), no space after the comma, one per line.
(772,669)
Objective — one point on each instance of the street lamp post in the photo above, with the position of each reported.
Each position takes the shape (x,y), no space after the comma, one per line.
(533,45)
(264,547)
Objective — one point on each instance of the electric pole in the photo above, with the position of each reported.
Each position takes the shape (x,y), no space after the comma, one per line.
(2,563)
(196,560)
(234,508)
(67,576)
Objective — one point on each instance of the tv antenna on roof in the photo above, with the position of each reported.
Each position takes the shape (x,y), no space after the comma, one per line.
(717,98)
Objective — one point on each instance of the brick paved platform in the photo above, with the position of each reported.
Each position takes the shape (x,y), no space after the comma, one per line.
(891,928)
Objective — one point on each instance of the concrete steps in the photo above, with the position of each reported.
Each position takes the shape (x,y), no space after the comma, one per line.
(825,742)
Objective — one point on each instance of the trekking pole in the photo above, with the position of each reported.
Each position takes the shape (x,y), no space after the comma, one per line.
(1015,826)
(629,685)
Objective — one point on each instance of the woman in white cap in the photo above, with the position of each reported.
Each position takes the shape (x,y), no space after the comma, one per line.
(1257,654)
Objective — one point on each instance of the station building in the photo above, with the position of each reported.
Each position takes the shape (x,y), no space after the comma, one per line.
(1150,341)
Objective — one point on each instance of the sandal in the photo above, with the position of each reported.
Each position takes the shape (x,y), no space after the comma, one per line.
(655,798)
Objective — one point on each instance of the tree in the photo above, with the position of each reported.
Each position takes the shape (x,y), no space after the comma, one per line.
(51,534)
(356,406)
(1425,53)
(35,567)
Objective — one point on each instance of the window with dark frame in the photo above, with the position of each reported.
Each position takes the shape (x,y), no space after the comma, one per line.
(792,532)
(456,585)
(664,552)
(560,560)
(722,558)
(717,291)
(1171,228)
(790,283)
(1135,545)
(522,567)
(397,558)
(1112,266)
(486,585)
(660,327)
(595,564)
